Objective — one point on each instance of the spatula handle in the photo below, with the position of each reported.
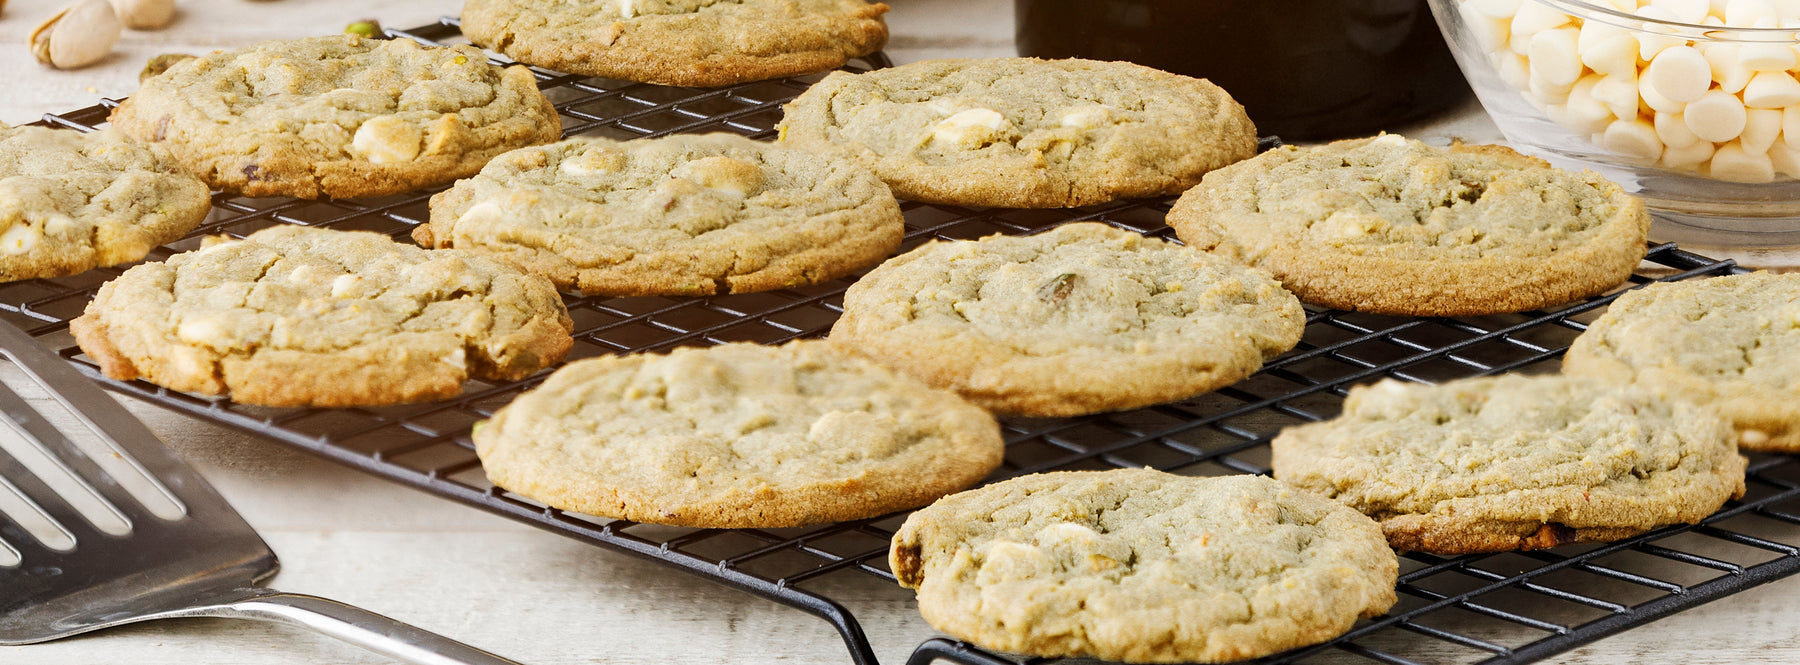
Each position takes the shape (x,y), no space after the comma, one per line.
(355,625)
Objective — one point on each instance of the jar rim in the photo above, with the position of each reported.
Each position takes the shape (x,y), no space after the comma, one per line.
(1607,14)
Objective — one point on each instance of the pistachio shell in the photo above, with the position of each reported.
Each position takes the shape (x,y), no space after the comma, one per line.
(80,35)
(145,14)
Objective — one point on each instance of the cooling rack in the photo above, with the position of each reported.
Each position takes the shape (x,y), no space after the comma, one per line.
(1499,608)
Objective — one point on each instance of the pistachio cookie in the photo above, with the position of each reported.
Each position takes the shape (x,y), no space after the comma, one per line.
(338,116)
(1515,462)
(1393,226)
(678,215)
(299,316)
(70,201)
(1142,566)
(1731,343)
(679,42)
(1080,319)
(737,436)
(1025,133)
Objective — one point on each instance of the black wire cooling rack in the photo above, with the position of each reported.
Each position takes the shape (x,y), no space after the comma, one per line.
(1500,608)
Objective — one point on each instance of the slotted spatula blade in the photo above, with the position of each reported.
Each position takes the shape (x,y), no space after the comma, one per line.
(198,558)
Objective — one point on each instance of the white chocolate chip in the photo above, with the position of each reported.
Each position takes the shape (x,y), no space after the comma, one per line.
(1790,126)
(58,224)
(344,286)
(1766,57)
(458,358)
(1535,17)
(1515,70)
(1634,138)
(1687,158)
(1674,132)
(1582,112)
(1718,117)
(1554,57)
(968,125)
(1502,9)
(1086,117)
(202,330)
(1746,13)
(1656,101)
(1772,90)
(387,140)
(1762,127)
(1733,163)
(1679,74)
(1615,55)
(1753,437)
(19,239)
(1785,159)
(724,174)
(626,8)
(1491,32)
(1547,91)
(1619,92)
(1727,68)
(592,162)
(1655,37)
(1686,11)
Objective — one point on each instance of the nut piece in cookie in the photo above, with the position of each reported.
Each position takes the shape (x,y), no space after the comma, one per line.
(1730,343)
(1081,319)
(737,436)
(1515,462)
(338,116)
(1141,566)
(1393,226)
(679,42)
(299,316)
(1023,132)
(70,201)
(679,215)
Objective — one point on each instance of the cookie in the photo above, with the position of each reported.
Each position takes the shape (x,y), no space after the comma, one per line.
(679,215)
(339,116)
(1023,132)
(299,316)
(70,202)
(1080,319)
(1392,226)
(1142,566)
(1730,343)
(679,42)
(1514,462)
(737,436)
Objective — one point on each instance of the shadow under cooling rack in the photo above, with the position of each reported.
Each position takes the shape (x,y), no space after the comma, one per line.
(1499,608)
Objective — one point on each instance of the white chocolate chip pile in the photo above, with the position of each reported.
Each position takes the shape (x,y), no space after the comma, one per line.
(1726,107)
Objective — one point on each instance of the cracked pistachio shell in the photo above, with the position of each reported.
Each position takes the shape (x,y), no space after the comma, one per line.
(80,35)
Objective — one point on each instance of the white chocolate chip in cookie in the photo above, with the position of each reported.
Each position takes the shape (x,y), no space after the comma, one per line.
(387,140)
(723,174)
(971,128)
(593,162)
(627,8)
(19,239)
(1086,117)
(345,286)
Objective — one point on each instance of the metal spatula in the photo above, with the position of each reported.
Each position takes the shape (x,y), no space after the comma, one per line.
(102,557)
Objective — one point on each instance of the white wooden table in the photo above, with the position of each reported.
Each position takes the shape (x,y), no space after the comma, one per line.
(531,595)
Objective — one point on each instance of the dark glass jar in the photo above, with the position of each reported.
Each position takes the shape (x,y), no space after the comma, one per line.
(1304,69)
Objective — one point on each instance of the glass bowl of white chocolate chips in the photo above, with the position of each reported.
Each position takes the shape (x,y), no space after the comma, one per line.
(1692,104)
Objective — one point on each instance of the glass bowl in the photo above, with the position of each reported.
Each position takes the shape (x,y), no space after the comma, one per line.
(1695,111)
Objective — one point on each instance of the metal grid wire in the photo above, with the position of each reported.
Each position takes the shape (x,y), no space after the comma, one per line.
(1474,609)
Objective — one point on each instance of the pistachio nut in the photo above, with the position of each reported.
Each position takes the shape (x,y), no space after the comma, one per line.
(370,28)
(145,14)
(80,35)
(160,64)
